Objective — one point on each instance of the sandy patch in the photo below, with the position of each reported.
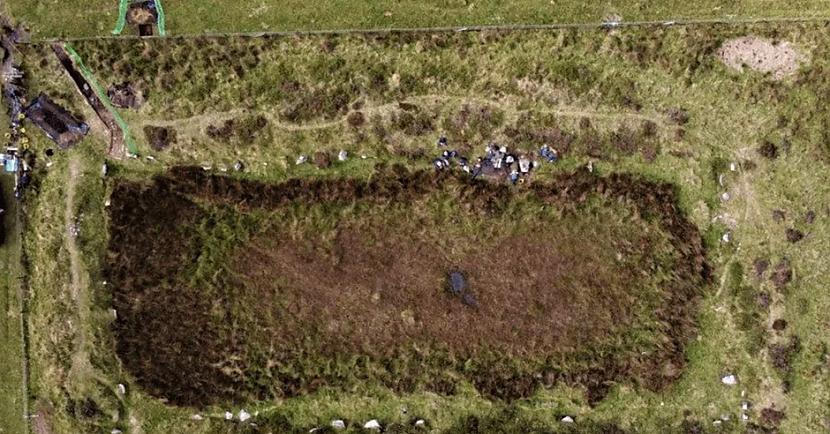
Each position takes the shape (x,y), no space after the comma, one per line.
(778,59)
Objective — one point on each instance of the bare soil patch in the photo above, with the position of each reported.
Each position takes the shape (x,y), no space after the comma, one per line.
(160,138)
(364,300)
(240,131)
(777,58)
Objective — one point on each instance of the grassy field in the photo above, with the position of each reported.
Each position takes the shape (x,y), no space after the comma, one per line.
(12,387)
(51,18)
(593,94)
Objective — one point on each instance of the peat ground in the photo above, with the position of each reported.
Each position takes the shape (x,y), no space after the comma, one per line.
(575,293)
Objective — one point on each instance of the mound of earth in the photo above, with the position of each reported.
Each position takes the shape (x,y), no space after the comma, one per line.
(235,289)
(160,138)
(778,59)
(125,95)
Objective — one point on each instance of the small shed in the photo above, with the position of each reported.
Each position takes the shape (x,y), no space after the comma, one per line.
(143,14)
(60,126)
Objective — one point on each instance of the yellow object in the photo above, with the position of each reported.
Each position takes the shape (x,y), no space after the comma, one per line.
(21,116)
(23,131)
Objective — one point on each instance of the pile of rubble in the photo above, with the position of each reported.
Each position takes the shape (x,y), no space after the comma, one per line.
(498,161)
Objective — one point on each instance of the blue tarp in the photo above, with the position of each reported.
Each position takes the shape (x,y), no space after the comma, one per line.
(10,165)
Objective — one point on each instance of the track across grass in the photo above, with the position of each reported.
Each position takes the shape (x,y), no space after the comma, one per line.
(97,17)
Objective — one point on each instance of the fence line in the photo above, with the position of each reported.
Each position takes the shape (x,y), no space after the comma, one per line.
(122,17)
(473,28)
(90,77)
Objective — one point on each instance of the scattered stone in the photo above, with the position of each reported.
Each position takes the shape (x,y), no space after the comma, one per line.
(122,390)
(779,324)
(74,230)
(115,431)
(733,167)
(372,424)
(794,235)
(567,419)
(125,95)
(239,166)
(729,380)
(779,59)
(244,415)
(301,159)
(725,196)
(228,415)
(342,155)
(810,217)
(420,423)
(104,170)
(338,424)
(196,417)
(778,215)
(727,236)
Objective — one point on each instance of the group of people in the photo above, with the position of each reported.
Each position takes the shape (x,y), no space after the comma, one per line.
(497,161)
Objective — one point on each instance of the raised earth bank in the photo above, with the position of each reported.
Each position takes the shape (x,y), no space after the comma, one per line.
(231,289)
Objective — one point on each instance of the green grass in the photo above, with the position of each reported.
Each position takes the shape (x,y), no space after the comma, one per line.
(50,18)
(581,71)
(12,382)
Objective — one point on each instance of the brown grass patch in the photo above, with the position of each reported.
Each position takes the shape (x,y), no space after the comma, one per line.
(287,311)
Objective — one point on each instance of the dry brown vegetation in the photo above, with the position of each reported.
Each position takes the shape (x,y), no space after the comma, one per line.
(362,300)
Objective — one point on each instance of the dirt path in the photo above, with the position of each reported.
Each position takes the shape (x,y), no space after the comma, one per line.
(69,214)
(748,209)
(198,123)
(78,280)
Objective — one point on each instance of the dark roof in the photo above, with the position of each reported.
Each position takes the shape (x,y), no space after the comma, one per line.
(56,122)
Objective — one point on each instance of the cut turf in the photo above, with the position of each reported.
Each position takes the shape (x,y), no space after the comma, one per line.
(234,306)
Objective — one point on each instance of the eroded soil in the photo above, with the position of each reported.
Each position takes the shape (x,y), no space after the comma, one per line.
(365,302)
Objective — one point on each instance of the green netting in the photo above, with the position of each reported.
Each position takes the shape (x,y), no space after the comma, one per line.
(122,17)
(160,22)
(87,73)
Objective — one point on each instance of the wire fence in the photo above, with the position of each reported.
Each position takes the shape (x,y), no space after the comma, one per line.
(160,21)
(669,22)
(122,17)
(90,77)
